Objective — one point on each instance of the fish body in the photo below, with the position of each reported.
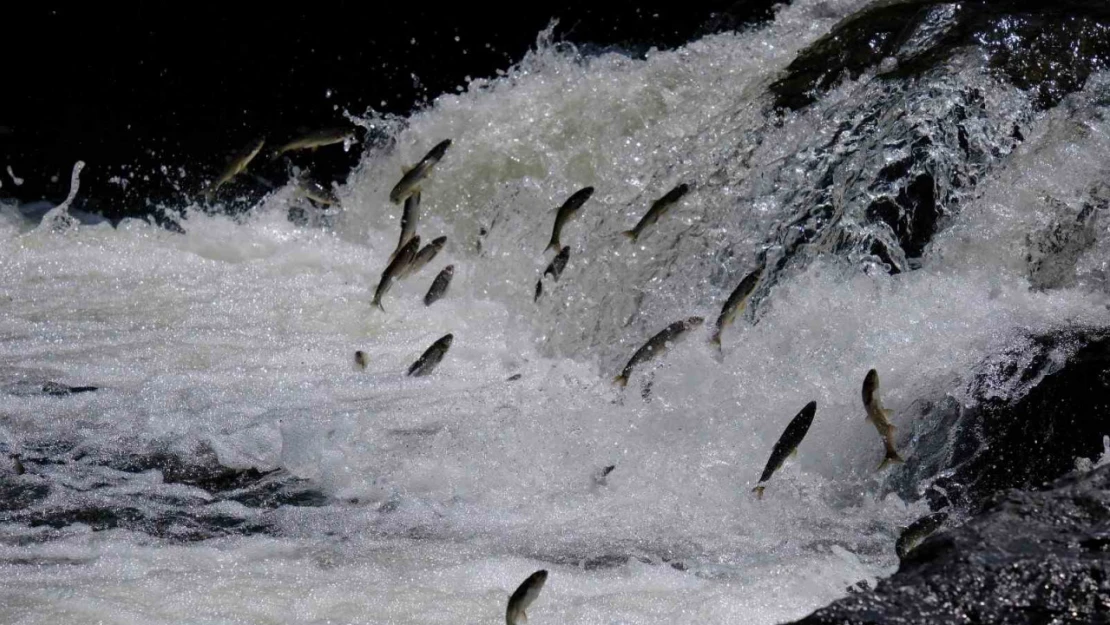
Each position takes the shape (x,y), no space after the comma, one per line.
(361,360)
(918,531)
(787,444)
(431,357)
(567,212)
(523,597)
(410,182)
(409,218)
(316,192)
(237,165)
(318,139)
(735,304)
(558,264)
(395,269)
(657,345)
(880,418)
(658,208)
(439,285)
(424,256)
(539,290)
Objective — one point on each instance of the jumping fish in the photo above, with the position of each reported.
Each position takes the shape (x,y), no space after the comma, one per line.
(237,165)
(523,597)
(735,304)
(431,357)
(424,256)
(409,218)
(439,285)
(555,269)
(880,417)
(660,206)
(567,212)
(657,345)
(360,359)
(787,444)
(395,268)
(410,182)
(918,531)
(317,139)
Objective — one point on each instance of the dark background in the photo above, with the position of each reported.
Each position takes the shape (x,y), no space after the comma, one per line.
(182,86)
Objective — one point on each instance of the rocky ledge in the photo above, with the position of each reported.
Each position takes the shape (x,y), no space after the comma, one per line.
(1031,557)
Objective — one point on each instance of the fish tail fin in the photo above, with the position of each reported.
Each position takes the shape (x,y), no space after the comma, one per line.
(715,340)
(621,379)
(630,235)
(891,458)
(553,245)
(378,303)
(758,490)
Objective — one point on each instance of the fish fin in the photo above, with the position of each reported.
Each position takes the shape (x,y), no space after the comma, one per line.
(553,245)
(758,490)
(630,235)
(378,303)
(621,379)
(523,617)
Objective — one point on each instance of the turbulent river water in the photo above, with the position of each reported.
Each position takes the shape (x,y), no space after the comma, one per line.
(236,467)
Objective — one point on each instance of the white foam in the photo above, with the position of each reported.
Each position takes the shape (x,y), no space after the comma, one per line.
(240,334)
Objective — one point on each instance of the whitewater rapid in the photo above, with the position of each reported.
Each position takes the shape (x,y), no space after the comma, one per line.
(432,498)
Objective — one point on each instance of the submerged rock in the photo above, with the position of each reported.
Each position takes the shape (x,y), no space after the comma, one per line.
(1032,557)
(1030,413)
(1046,48)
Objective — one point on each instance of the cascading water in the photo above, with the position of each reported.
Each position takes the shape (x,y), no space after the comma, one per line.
(235,467)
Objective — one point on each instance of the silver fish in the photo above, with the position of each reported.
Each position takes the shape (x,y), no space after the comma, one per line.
(316,192)
(660,206)
(567,212)
(237,165)
(735,304)
(317,139)
(880,417)
(409,218)
(918,531)
(410,182)
(431,357)
(657,345)
(424,256)
(523,597)
(395,269)
(787,444)
(439,285)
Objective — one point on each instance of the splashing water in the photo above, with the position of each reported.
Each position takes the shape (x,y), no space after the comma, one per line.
(428,500)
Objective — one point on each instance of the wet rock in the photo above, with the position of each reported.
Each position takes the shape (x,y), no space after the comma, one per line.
(1046,48)
(1031,557)
(1030,413)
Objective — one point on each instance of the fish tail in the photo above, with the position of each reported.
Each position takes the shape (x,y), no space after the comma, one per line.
(758,490)
(621,379)
(630,234)
(554,244)
(378,302)
(891,457)
(715,340)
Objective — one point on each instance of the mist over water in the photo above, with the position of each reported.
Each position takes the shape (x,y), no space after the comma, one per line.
(427,500)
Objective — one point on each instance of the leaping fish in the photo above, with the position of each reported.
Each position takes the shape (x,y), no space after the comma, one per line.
(410,182)
(660,206)
(523,597)
(735,304)
(657,345)
(880,417)
(787,444)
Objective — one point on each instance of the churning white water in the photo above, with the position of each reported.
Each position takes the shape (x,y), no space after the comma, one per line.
(438,495)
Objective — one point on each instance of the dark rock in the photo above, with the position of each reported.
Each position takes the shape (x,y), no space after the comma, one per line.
(1032,412)
(1046,48)
(1032,557)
